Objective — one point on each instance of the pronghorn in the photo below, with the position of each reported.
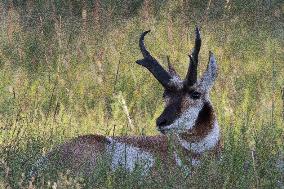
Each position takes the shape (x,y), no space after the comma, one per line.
(188,119)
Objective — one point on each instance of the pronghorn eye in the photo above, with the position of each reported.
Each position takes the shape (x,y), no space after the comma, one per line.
(195,95)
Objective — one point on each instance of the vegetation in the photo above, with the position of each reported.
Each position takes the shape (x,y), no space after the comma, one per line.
(68,69)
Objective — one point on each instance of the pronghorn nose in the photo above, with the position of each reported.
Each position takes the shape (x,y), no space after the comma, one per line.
(161,121)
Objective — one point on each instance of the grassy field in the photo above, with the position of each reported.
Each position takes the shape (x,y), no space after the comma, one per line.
(67,68)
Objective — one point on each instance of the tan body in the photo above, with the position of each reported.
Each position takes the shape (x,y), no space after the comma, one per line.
(81,154)
(89,149)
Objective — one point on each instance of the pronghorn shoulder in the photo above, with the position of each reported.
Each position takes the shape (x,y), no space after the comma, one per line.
(155,144)
(90,139)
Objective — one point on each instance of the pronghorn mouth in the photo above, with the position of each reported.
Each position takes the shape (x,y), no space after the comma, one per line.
(165,130)
(162,130)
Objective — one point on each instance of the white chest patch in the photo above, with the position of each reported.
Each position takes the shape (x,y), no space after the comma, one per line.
(186,167)
(205,144)
(128,157)
(193,161)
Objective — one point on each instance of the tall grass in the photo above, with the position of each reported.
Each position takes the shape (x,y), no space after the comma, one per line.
(68,69)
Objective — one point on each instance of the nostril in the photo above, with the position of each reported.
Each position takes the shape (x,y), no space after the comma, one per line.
(162,122)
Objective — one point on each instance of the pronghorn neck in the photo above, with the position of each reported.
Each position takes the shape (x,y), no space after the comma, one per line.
(204,134)
(188,146)
(200,124)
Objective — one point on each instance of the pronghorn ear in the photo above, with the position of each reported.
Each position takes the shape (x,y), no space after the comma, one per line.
(209,76)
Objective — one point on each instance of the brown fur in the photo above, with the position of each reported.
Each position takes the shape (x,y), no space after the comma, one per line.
(155,144)
(80,154)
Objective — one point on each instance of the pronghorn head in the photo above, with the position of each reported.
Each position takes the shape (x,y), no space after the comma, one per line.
(187,102)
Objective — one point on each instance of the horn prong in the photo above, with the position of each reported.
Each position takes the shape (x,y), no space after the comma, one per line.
(171,69)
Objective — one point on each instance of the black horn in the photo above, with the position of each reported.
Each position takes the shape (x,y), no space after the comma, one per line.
(153,65)
(191,76)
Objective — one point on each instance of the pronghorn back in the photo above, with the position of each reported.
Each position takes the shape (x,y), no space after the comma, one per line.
(188,125)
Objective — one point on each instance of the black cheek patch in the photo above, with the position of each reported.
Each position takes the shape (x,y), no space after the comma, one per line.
(206,115)
(170,113)
(204,121)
